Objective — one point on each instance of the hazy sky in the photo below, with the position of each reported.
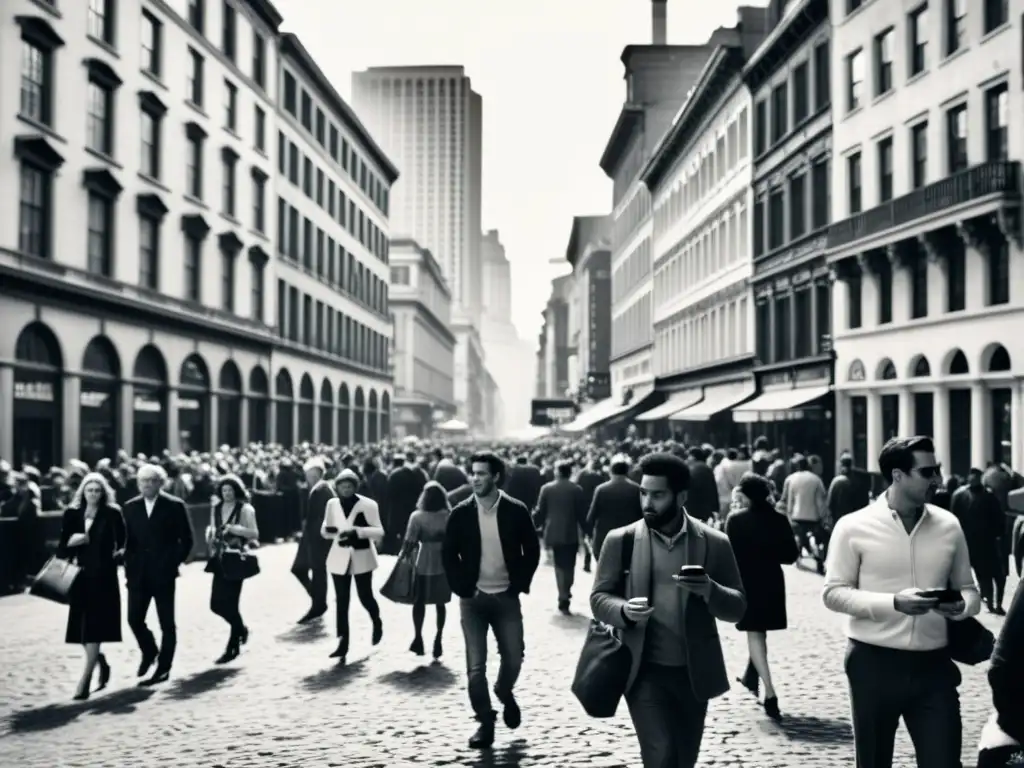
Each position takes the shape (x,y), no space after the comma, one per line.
(551,81)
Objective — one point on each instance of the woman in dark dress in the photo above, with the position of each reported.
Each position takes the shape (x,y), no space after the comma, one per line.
(93,536)
(423,539)
(762,541)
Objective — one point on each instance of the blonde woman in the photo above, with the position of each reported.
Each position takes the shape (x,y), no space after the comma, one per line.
(93,536)
(425,537)
(232,526)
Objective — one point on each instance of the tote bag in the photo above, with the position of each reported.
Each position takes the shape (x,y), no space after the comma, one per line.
(55,580)
(401,584)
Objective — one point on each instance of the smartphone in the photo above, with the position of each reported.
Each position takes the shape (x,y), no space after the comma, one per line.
(331,529)
(942,595)
(691,571)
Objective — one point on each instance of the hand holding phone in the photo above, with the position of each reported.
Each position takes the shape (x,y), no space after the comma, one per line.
(331,529)
(692,572)
(941,595)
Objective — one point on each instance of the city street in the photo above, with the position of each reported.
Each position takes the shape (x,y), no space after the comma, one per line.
(284,703)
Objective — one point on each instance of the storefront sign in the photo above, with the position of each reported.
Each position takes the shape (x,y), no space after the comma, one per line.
(188,404)
(92,399)
(546,413)
(148,404)
(817,373)
(37,391)
(857,372)
(776,379)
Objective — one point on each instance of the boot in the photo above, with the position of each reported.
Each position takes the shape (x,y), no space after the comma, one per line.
(438,648)
(378,631)
(341,651)
(417,646)
(483,738)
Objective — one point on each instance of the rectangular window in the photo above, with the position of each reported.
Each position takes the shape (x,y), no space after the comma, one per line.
(260,128)
(293,164)
(883,62)
(780,112)
(151,35)
(195,77)
(321,127)
(259,59)
(997,13)
(192,265)
(822,76)
(150,150)
(783,327)
(803,322)
(100,22)
(776,219)
(996,123)
(290,94)
(149,253)
(956,139)
(306,116)
(919,287)
(918,25)
(228,187)
(853,182)
(854,302)
(229,38)
(100,136)
(227,281)
(194,168)
(100,245)
(230,106)
(801,93)
(759,226)
(885,169)
(956,25)
(854,80)
(259,205)
(36,83)
(956,276)
(307,177)
(257,280)
(919,155)
(883,276)
(998,272)
(760,128)
(797,206)
(821,193)
(197,15)
(34,212)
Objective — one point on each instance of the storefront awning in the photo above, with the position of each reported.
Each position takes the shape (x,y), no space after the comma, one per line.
(717,398)
(773,406)
(676,402)
(592,415)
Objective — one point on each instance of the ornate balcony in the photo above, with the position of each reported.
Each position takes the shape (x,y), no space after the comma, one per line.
(978,190)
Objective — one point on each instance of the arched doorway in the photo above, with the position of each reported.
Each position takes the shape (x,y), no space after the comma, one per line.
(924,401)
(99,401)
(359,418)
(284,394)
(960,418)
(344,416)
(193,404)
(372,418)
(229,405)
(326,413)
(1001,402)
(38,367)
(385,416)
(307,409)
(149,417)
(259,405)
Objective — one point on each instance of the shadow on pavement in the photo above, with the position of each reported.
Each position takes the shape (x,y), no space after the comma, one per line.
(816,729)
(426,677)
(509,755)
(304,633)
(575,620)
(54,716)
(201,682)
(337,676)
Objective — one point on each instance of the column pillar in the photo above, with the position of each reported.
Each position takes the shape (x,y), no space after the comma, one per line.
(271,420)
(792,323)
(940,419)
(243,414)
(815,330)
(71,397)
(981,426)
(843,423)
(874,401)
(126,418)
(173,432)
(773,326)
(213,419)
(7,412)
(316,420)
(293,438)
(1017,424)
(906,424)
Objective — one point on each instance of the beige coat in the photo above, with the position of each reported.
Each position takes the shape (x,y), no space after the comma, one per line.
(342,560)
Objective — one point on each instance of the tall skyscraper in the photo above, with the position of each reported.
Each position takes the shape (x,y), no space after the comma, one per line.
(429,120)
(495,278)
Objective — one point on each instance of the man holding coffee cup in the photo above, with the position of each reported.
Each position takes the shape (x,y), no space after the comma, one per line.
(665,598)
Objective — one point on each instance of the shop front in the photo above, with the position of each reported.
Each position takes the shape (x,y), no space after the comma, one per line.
(99,401)
(229,405)
(656,420)
(284,397)
(611,418)
(193,405)
(307,409)
(259,406)
(37,398)
(326,415)
(149,406)
(707,396)
(794,411)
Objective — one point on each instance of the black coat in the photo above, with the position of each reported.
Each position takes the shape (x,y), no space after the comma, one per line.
(702,497)
(94,613)
(762,540)
(450,476)
(157,545)
(523,484)
(314,548)
(405,484)
(615,504)
(982,519)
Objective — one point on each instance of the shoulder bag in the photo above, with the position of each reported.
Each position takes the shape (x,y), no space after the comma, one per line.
(55,580)
(605,662)
(233,564)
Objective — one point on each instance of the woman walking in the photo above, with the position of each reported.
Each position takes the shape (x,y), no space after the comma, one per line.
(93,536)
(232,526)
(353,523)
(423,539)
(762,541)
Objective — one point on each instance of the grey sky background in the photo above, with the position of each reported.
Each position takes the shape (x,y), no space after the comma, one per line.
(551,80)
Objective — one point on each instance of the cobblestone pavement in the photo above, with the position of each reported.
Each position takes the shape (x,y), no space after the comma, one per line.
(284,703)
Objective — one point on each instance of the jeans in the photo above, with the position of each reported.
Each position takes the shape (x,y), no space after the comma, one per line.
(501,614)
(565,571)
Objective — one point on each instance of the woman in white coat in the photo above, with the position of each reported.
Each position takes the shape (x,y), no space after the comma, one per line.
(353,523)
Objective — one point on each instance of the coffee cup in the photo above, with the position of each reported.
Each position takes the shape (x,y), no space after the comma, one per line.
(639,602)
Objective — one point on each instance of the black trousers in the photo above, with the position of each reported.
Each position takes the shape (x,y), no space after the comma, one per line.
(918,686)
(314,580)
(343,596)
(667,716)
(140,595)
(225,595)
(565,570)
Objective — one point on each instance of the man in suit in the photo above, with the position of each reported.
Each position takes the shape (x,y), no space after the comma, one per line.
(159,539)
(588,479)
(405,484)
(666,615)
(524,482)
(561,512)
(702,498)
(310,565)
(616,503)
(490,553)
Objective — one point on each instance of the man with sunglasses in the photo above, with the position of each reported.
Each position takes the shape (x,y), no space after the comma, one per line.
(883,561)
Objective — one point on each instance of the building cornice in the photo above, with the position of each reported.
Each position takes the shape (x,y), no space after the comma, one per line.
(797,24)
(630,119)
(422,309)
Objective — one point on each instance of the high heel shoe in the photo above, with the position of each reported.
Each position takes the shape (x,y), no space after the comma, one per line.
(104,672)
(438,649)
(230,654)
(771,708)
(417,646)
(81,695)
(243,635)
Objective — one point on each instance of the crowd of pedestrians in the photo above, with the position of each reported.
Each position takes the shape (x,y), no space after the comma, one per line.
(684,537)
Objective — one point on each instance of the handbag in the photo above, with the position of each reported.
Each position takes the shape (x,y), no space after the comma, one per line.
(996,748)
(969,641)
(605,662)
(231,563)
(400,586)
(55,580)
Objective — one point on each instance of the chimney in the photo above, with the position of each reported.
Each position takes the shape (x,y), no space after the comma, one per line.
(659,22)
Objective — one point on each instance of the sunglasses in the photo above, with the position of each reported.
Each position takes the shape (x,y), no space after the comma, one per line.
(929,473)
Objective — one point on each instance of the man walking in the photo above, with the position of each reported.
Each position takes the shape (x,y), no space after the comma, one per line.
(882,561)
(490,553)
(310,565)
(159,539)
(616,503)
(560,514)
(981,518)
(665,598)
(804,501)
